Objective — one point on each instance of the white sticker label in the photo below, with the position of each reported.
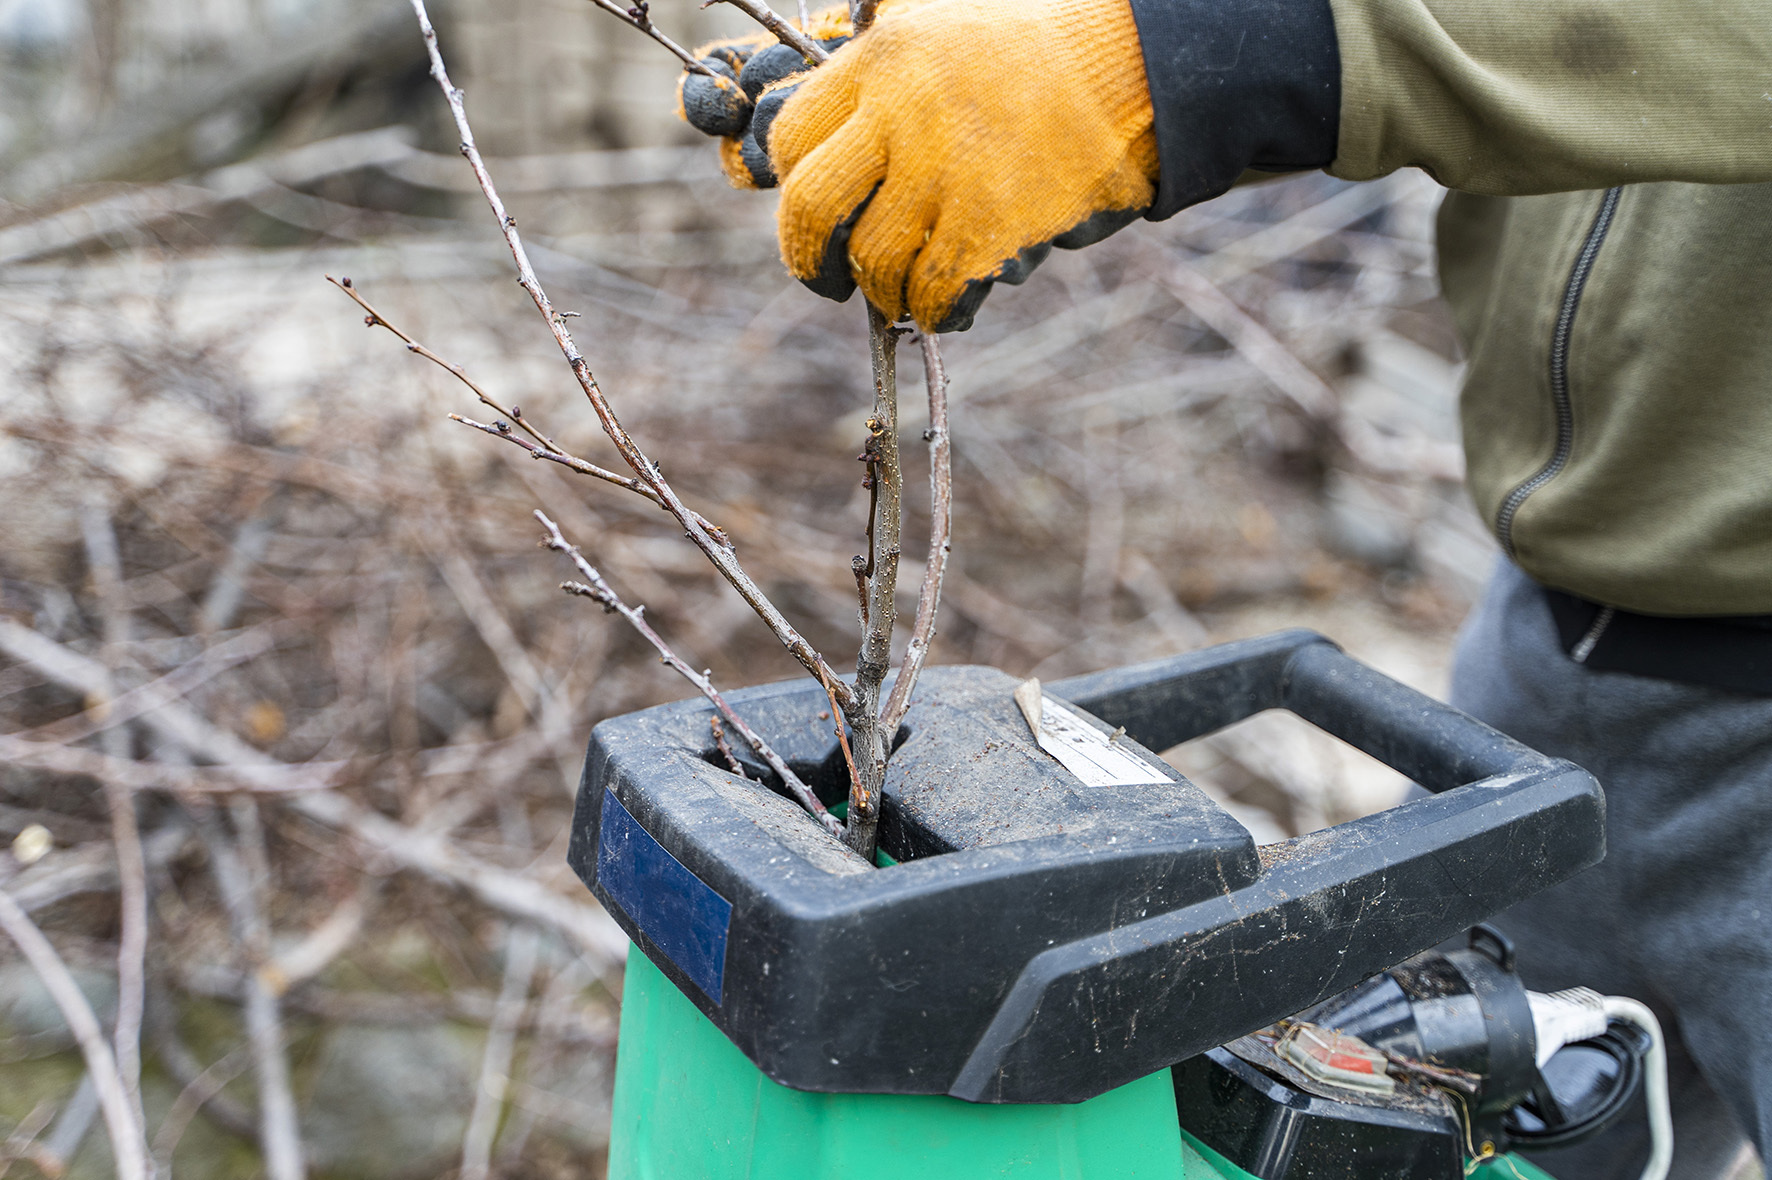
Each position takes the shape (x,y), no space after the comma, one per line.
(1082,749)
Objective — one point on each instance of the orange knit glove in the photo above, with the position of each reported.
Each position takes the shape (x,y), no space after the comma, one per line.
(954,143)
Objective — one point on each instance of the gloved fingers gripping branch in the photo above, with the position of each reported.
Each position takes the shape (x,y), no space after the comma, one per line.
(725,105)
(955,143)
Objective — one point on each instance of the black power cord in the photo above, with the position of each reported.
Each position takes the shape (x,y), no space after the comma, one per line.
(1549,1119)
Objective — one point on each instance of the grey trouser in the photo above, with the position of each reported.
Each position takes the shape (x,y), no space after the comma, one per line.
(1679,914)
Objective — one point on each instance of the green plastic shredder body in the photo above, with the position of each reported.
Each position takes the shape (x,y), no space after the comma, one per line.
(689,1106)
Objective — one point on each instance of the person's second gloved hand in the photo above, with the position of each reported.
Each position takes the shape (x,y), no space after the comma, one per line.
(954,143)
(724,105)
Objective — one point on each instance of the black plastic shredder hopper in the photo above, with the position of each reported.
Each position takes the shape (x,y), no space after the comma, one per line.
(1041,940)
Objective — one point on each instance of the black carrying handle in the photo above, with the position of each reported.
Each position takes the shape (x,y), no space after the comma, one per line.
(1506,823)
(1166,702)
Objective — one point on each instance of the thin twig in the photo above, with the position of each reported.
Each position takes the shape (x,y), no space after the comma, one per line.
(495,1060)
(221,1109)
(22,1142)
(556,1009)
(373,318)
(600,591)
(843,740)
(90,869)
(544,446)
(586,927)
(196,1094)
(573,462)
(644,23)
(941,520)
(725,747)
(716,548)
(106,712)
(784,31)
(128,1145)
(582,466)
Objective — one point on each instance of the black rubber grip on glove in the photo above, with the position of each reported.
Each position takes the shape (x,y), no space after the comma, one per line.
(716,106)
(1235,85)
(775,62)
(1015,271)
(766,109)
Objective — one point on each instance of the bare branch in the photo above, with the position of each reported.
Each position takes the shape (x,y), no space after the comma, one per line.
(1310,393)
(128,1145)
(784,32)
(197,1093)
(941,520)
(106,710)
(90,868)
(862,13)
(586,927)
(572,462)
(600,591)
(324,943)
(238,868)
(132,881)
(715,547)
(149,776)
(875,658)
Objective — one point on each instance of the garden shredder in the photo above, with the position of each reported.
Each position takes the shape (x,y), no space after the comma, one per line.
(1069,963)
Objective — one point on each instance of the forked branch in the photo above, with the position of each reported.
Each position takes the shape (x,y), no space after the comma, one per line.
(870,723)
(596,588)
(715,547)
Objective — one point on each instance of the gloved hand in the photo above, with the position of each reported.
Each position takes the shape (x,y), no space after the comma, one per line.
(725,105)
(955,143)
(951,146)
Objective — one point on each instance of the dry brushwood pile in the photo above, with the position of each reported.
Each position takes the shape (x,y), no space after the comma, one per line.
(292,707)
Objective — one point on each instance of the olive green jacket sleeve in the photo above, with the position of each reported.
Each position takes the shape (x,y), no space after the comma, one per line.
(1515,97)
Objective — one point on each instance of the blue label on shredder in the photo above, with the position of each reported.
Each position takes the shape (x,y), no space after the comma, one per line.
(676,909)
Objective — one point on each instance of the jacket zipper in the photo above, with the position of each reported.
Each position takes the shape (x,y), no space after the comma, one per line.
(1559,371)
(1591,640)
